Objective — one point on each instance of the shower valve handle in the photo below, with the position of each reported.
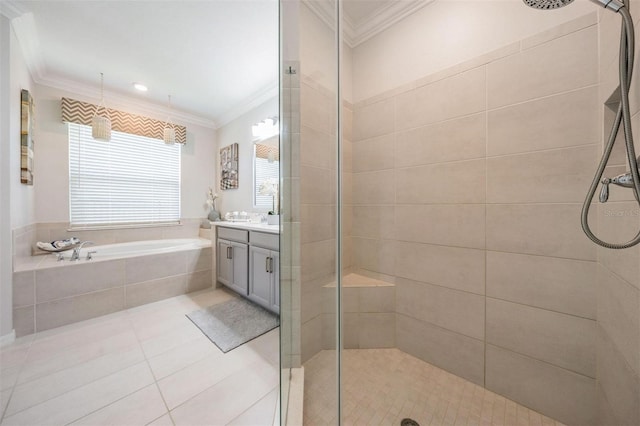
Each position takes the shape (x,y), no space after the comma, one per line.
(604,192)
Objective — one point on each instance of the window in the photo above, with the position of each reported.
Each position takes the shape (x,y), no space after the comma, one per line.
(266,165)
(129,180)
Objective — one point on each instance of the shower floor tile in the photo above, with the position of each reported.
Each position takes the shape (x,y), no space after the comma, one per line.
(145,365)
(384,386)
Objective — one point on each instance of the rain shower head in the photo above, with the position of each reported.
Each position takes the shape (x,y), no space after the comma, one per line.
(614,5)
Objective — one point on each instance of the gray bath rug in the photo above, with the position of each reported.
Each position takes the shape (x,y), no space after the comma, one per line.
(234,322)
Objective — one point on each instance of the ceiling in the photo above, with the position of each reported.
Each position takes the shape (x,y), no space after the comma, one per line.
(216,58)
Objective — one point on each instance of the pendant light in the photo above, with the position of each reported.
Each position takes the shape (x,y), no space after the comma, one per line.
(101,124)
(169,133)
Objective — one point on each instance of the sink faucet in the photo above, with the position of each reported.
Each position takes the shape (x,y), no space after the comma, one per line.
(76,250)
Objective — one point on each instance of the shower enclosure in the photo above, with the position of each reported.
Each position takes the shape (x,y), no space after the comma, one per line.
(436,155)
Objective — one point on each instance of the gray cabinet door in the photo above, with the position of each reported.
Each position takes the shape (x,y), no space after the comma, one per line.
(261,277)
(239,254)
(224,265)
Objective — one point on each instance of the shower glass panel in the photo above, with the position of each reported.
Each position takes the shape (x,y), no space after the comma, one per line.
(440,215)
(311,182)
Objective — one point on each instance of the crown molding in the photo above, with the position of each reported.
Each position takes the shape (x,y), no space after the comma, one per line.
(385,17)
(12,9)
(382,18)
(90,93)
(24,26)
(251,102)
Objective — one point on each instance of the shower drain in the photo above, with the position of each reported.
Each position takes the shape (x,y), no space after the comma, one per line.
(409,422)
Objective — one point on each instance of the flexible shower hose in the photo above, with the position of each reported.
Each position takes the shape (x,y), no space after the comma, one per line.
(623,116)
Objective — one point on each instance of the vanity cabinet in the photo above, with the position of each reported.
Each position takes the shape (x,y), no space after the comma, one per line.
(264,277)
(233,251)
(248,262)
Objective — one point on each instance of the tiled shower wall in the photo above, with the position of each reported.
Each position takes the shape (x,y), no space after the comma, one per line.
(467,191)
(618,330)
(318,191)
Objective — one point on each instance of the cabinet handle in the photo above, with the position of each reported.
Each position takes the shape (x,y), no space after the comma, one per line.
(266,264)
(271,265)
(229,252)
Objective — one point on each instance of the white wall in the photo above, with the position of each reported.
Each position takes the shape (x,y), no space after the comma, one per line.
(446,33)
(22,196)
(52,156)
(239,131)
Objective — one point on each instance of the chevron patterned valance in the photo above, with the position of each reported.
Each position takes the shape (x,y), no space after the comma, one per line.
(74,111)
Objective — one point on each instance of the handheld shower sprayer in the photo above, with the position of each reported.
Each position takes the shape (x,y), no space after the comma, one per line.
(623,117)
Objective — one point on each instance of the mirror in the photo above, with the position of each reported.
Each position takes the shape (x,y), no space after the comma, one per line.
(266,167)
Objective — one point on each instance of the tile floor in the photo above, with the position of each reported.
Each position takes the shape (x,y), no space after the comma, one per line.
(383,386)
(144,366)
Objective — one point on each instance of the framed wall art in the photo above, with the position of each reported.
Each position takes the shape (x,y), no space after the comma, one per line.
(26,137)
(229,167)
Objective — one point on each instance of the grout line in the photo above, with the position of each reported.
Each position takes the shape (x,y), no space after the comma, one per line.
(486,191)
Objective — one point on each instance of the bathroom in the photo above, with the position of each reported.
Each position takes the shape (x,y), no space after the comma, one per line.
(433,268)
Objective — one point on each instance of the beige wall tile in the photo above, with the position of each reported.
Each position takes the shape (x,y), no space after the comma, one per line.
(24,322)
(318,222)
(317,149)
(377,330)
(460,225)
(152,291)
(199,260)
(560,65)
(444,183)
(24,288)
(138,234)
(543,229)
(453,352)
(145,268)
(311,335)
(453,310)
(458,139)
(374,120)
(564,120)
(200,280)
(549,176)
(373,221)
(558,393)
(317,186)
(374,187)
(350,331)
(374,154)
(562,285)
(561,30)
(78,278)
(374,255)
(619,222)
(456,96)
(376,299)
(73,309)
(621,385)
(318,260)
(452,267)
(562,340)
(619,315)
(315,109)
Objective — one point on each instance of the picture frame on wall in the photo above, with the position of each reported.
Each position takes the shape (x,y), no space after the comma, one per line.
(229,167)
(26,137)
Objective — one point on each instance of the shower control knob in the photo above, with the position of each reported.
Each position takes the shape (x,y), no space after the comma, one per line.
(625,180)
(604,192)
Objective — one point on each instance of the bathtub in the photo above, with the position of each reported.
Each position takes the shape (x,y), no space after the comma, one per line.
(138,248)
(49,293)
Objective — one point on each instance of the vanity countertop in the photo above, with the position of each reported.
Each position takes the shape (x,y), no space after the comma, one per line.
(262,227)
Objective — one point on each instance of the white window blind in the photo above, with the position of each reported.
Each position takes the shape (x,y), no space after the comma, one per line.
(128,180)
(264,170)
